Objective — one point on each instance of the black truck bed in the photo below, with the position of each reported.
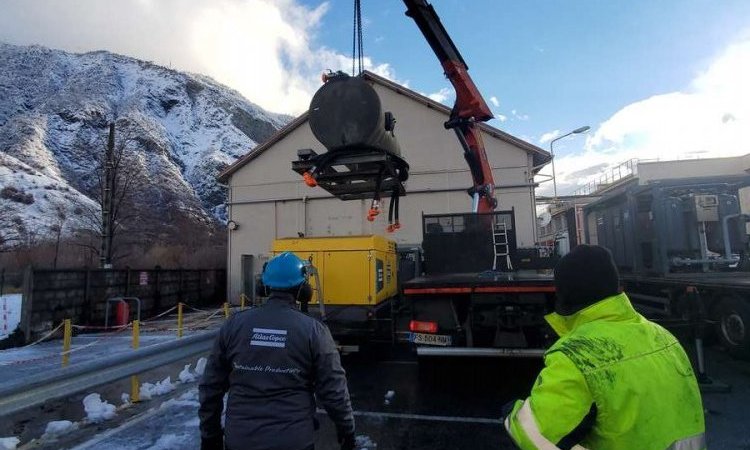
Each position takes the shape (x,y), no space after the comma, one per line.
(726,280)
(465,283)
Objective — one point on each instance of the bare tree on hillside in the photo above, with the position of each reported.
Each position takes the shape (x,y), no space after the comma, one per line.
(60,218)
(11,232)
(119,176)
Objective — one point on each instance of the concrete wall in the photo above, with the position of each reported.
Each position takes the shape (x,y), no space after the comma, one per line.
(691,168)
(268,200)
(51,296)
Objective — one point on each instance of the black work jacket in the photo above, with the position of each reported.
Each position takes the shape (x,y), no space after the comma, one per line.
(273,360)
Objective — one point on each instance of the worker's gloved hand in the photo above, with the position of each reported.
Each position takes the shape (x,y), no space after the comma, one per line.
(214,443)
(347,441)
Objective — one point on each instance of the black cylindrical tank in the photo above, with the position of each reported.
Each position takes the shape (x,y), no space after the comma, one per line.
(346,114)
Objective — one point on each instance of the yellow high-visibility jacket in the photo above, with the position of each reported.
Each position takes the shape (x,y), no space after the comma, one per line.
(631,374)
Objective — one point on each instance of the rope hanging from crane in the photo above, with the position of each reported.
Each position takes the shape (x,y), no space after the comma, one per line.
(357,40)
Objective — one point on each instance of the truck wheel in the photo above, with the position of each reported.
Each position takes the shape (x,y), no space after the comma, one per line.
(733,326)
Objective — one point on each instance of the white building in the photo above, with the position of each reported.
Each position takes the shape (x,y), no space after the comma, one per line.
(267,200)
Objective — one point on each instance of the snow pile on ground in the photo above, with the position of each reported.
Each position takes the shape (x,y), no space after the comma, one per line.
(150,390)
(125,398)
(57,428)
(192,394)
(200,366)
(189,398)
(363,442)
(97,410)
(10,314)
(168,442)
(389,397)
(9,443)
(186,376)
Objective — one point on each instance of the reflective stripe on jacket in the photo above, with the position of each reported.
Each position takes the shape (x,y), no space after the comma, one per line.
(631,374)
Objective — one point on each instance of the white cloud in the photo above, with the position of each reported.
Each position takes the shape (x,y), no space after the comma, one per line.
(501,117)
(495,101)
(519,115)
(266,49)
(442,95)
(548,136)
(711,118)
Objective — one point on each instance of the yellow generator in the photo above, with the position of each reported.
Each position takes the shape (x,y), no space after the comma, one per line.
(357,276)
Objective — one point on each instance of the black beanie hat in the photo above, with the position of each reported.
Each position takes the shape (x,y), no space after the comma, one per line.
(583,277)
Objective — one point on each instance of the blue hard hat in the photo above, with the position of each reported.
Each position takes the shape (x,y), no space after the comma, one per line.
(285,271)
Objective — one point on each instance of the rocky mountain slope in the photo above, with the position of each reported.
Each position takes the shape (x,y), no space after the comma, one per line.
(178,130)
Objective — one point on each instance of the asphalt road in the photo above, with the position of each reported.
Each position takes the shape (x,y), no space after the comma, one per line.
(454,404)
(445,404)
(437,404)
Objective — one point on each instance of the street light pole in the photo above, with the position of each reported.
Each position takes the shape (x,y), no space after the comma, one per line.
(579,130)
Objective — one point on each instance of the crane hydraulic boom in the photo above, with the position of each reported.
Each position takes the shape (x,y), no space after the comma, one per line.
(470,108)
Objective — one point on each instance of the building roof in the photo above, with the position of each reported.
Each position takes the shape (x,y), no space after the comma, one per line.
(541,157)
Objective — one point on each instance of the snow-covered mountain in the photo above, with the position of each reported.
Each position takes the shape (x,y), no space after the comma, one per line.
(55,107)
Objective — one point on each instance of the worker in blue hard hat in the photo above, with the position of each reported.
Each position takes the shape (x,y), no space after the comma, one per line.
(274,361)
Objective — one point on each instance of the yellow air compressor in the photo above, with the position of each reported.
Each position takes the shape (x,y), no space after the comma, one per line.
(357,275)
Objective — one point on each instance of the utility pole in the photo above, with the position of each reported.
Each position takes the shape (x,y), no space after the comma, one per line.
(108,193)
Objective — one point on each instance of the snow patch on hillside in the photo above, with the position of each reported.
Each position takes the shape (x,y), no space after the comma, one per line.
(56,107)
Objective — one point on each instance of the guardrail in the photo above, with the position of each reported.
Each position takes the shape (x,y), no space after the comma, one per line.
(55,384)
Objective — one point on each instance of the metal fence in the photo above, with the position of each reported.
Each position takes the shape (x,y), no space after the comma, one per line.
(50,296)
(614,174)
(10,281)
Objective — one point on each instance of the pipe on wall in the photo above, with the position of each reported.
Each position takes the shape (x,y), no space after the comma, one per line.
(725,230)
(417,191)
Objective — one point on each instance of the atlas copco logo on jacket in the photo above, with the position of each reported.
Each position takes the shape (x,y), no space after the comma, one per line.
(267,337)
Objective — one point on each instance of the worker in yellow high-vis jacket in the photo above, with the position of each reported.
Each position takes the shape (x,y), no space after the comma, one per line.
(614,380)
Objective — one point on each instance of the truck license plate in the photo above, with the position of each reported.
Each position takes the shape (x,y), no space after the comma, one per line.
(431,339)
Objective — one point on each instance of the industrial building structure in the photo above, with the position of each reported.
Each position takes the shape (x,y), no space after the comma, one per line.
(564,224)
(267,200)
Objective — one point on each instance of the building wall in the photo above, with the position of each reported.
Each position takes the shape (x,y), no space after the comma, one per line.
(691,168)
(268,200)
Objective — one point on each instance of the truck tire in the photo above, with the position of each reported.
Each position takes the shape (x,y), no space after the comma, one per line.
(733,326)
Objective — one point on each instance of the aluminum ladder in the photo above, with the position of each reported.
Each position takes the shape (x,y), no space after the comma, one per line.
(500,245)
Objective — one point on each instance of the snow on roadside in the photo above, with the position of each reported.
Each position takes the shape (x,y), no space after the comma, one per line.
(9,443)
(200,366)
(58,428)
(168,442)
(10,314)
(150,390)
(172,425)
(363,442)
(97,410)
(186,376)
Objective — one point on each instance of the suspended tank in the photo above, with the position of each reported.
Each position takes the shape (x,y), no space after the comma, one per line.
(363,158)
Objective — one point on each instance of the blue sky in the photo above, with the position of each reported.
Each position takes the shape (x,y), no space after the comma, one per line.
(561,63)
(653,78)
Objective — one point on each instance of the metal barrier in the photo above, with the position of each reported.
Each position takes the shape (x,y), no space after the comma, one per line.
(36,389)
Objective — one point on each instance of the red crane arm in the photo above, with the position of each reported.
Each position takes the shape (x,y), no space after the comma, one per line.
(469,109)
